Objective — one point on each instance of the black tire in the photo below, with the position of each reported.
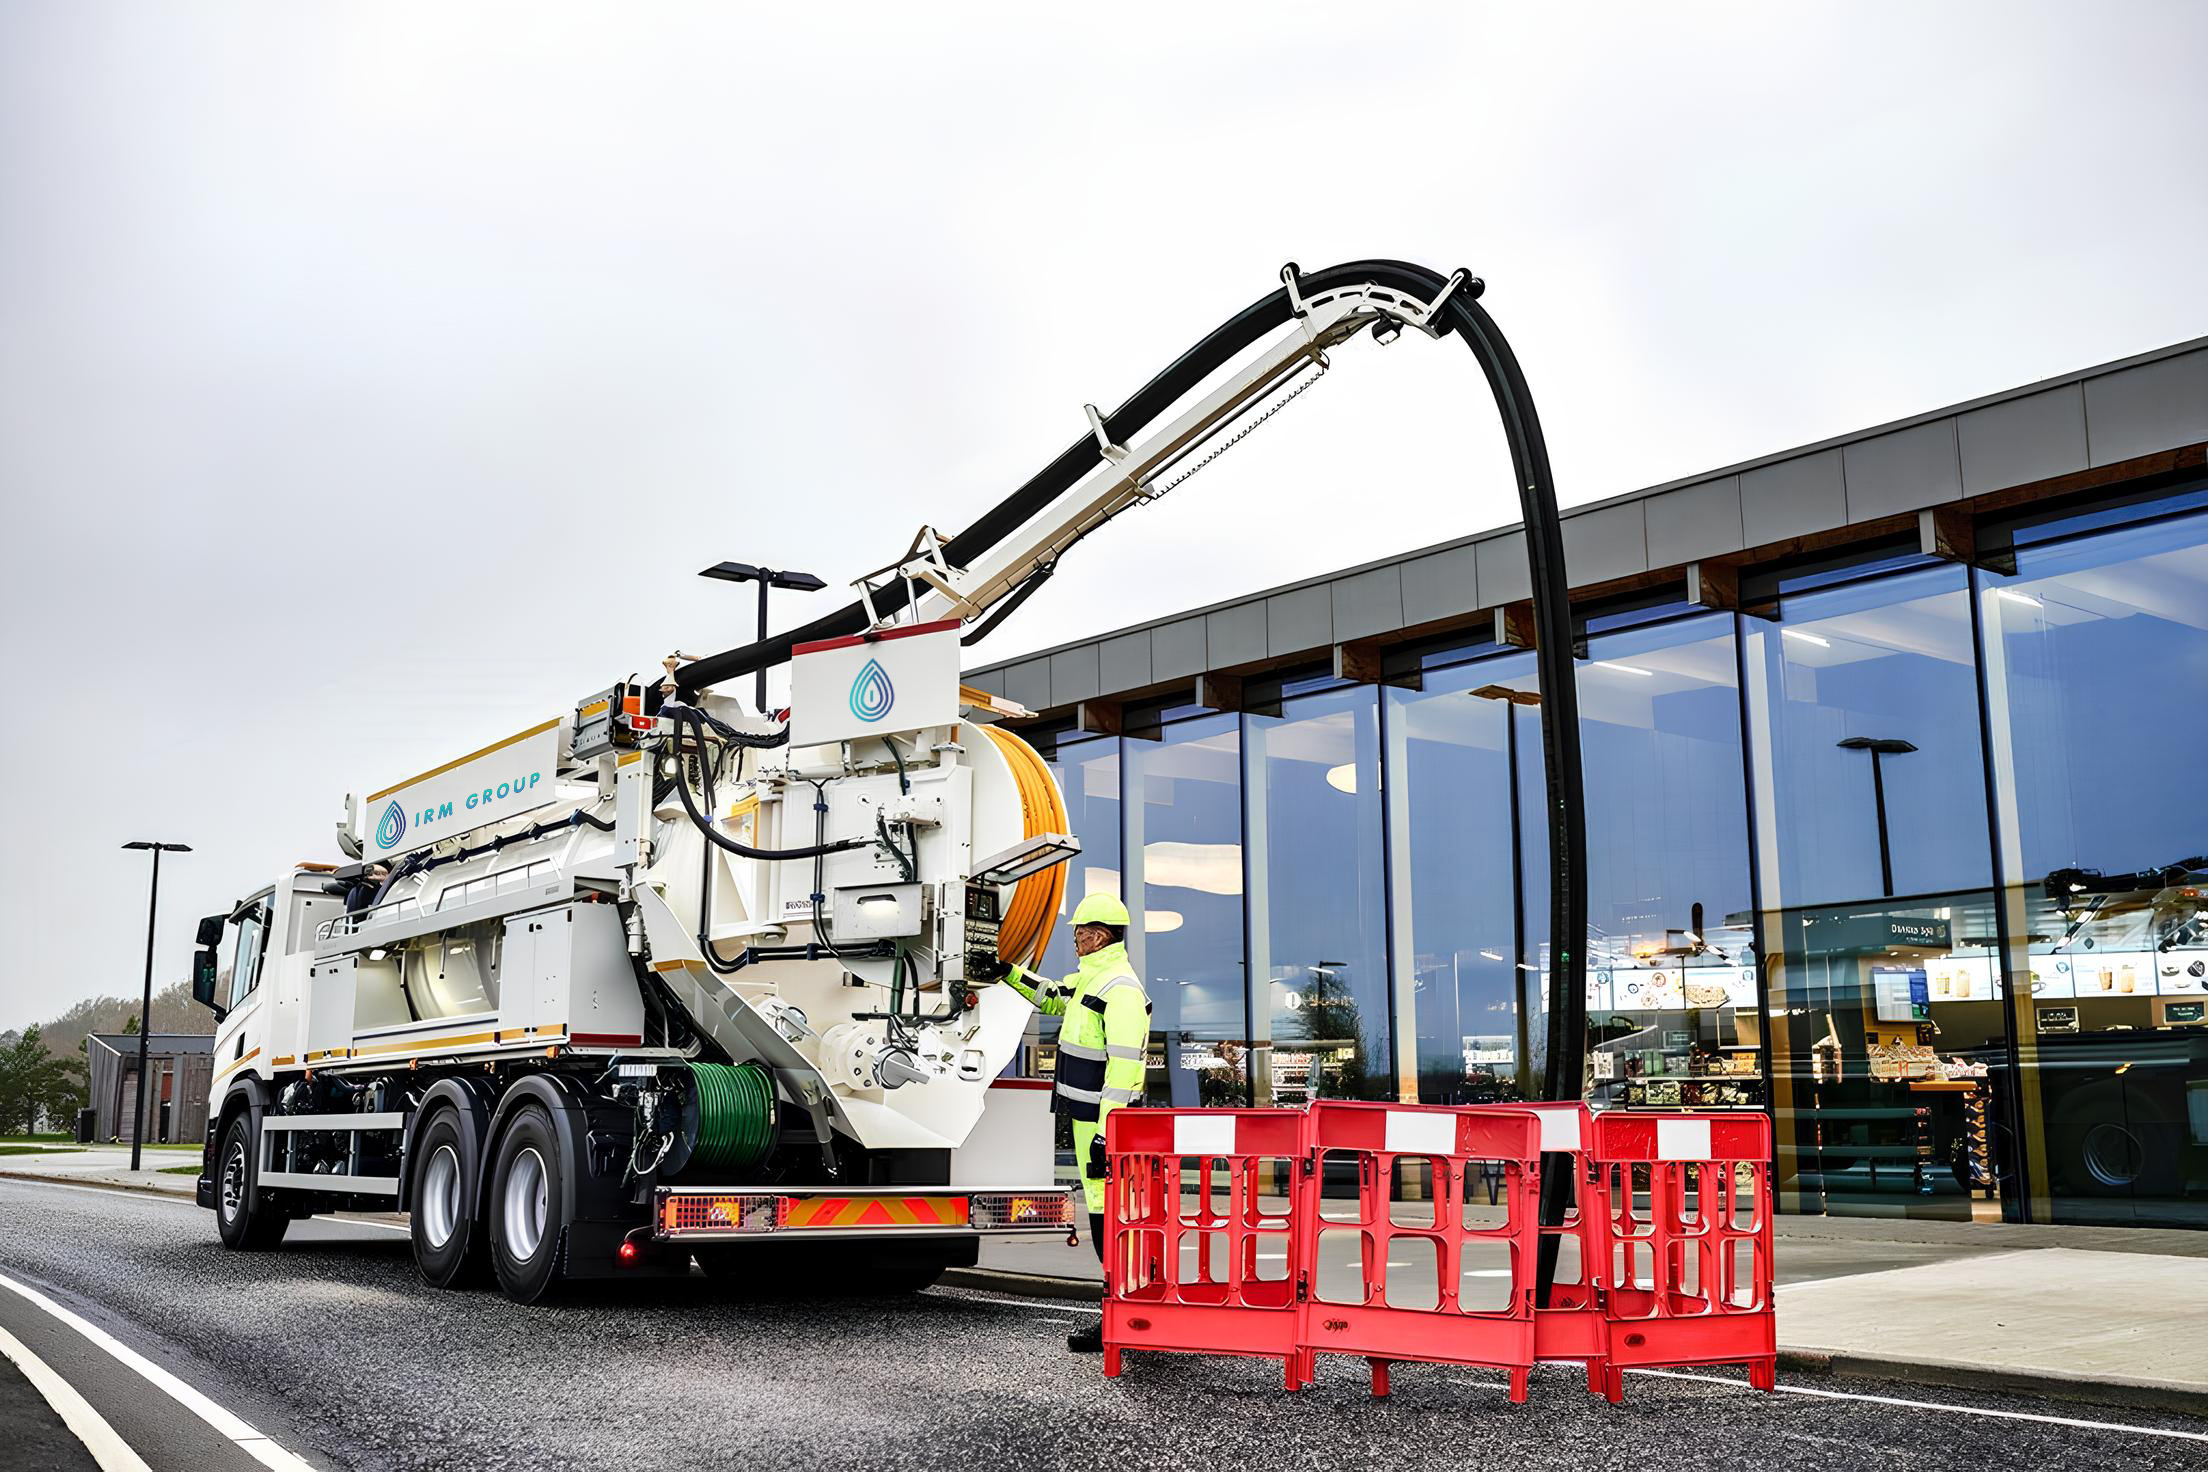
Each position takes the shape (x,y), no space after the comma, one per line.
(445,1203)
(525,1210)
(245,1216)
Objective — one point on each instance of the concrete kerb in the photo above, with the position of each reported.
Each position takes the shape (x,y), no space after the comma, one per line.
(94,1183)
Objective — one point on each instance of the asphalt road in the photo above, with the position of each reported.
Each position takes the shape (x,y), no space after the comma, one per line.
(333,1349)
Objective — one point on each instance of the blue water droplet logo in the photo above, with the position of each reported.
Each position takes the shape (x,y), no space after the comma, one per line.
(871,693)
(391,827)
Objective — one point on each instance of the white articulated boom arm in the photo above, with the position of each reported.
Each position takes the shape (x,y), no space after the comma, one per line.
(1129,475)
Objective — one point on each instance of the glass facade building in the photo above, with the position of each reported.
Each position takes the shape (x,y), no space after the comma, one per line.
(1906,858)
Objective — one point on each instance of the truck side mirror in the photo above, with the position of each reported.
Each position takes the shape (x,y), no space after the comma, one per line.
(205,968)
(210,931)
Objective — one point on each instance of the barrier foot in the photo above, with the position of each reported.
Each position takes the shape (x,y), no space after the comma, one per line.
(1595,1377)
(1111,1362)
(1613,1385)
(1297,1379)
(1379,1379)
(1518,1380)
(1764,1374)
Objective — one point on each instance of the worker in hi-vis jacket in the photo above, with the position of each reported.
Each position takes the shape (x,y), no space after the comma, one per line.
(1103,1048)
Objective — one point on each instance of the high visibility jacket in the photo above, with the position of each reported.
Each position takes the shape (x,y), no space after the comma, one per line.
(1102,1048)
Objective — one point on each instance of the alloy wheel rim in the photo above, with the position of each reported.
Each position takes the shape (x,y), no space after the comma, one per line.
(233,1180)
(524,1204)
(440,1206)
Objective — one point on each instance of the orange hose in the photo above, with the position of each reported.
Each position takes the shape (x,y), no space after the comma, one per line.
(1037,898)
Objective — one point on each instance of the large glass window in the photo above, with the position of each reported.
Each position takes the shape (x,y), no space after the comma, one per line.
(2096,663)
(1183,810)
(1088,771)
(1888,1033)
(1450,826)
(1318,946)
(1671,985)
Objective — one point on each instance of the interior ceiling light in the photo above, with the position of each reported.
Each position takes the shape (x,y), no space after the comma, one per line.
(1343,778)
(1807,638)
(2015,597)
(1160,922)
(1213,868)
(1626,669)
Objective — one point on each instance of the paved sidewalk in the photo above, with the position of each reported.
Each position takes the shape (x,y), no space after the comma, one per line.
(107,1165)
(2107,1314)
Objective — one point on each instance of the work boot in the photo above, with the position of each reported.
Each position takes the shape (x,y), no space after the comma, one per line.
(1087,1341)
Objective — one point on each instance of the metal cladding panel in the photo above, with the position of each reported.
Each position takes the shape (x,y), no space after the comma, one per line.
(1907,470)
(1234,635)
(1505,575)
(1298,620)
(991,681)
(1073,675)
(1368,603)
(1123,663)
(1610,542)
(1792,498)
(2015,443)
(1441,585)
(1694,522)
(1028,683)
(2155,406)
(1179,649)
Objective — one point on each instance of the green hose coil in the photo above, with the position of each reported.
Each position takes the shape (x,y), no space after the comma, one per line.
(735,1115)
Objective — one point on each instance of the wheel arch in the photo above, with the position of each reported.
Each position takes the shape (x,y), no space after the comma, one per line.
(474,1101)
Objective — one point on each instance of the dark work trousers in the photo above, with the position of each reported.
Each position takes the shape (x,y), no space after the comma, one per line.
(1096,1233)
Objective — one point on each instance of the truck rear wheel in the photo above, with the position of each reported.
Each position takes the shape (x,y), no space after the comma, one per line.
(447,1187)
(245,1216)
(528,1212)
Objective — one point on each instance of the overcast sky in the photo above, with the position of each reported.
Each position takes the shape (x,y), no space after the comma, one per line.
(374,378)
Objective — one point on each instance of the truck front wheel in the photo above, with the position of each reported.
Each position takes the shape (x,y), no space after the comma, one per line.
(528,1214)
(246,1218)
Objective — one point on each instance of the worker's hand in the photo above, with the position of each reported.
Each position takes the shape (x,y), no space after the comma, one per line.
(991,967)
(1096,1158)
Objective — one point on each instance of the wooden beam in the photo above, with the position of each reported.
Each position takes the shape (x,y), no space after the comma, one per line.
(1717,585)
(1099,717)
(1216,691)
(1950,533)
(1514,624)
(1363,661)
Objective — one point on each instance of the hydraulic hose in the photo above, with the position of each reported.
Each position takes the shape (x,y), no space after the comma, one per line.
(745,850)
(1036,900)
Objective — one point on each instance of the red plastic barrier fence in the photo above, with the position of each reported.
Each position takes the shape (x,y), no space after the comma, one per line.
(1687,1272)
(1421,1174)
(1570,1326)
(1203,1233)
(1221,1227)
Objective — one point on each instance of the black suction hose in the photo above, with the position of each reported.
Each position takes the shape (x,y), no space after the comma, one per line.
(1552,618)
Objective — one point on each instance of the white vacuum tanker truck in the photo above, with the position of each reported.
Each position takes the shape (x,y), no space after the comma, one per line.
(662,978)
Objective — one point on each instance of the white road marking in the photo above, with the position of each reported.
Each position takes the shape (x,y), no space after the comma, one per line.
(973,1296)
(1940,1405)
(87,1425)
(225,1425)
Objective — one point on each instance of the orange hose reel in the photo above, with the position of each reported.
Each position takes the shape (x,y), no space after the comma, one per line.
(1036,899)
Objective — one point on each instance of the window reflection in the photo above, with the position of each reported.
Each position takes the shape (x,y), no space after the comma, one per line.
(1184,858)
(2096,659)
(1888,1037)
(1671,980)
(1450,824)
(1316,938)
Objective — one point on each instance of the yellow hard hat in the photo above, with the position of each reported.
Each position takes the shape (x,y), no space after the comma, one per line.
(1101,909)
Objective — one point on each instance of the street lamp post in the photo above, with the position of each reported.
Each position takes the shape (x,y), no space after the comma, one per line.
(145,1009)
(765,577)
(1879,746)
